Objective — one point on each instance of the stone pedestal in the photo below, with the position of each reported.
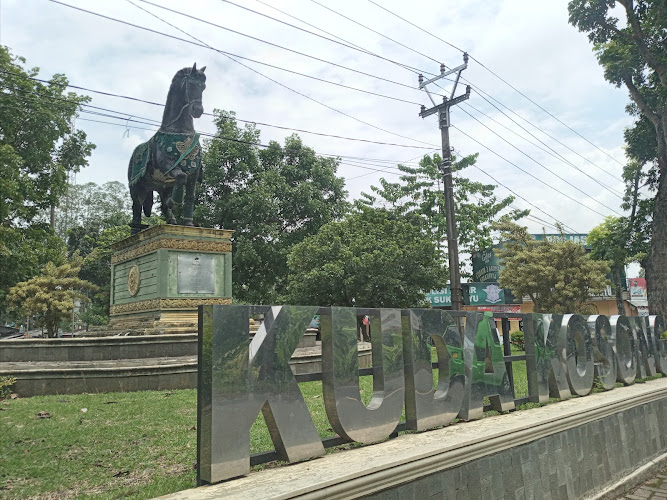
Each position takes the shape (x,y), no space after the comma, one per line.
(160,275)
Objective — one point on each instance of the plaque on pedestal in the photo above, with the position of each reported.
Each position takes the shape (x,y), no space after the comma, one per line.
(160,275)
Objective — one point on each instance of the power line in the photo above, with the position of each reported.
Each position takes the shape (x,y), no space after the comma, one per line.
(525,200)
(374,31)
(482,94)
(501,79)
(235,140)
(230,54)
(136,99)
(597,181)
(383,169)
(227,54)
(541,165)
(411,87)
(418,27)
(528,173)
(424,55)
(347,44)
(548,151)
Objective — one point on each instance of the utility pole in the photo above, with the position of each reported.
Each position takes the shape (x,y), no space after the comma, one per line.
(446,169)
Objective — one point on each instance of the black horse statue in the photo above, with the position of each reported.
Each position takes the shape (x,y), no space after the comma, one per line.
(170,162)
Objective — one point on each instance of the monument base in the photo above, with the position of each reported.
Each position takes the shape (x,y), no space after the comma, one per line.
(161,275)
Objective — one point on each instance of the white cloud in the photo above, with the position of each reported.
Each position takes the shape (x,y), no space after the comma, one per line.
(528,43)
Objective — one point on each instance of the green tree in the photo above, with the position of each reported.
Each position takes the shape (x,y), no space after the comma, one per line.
(419,197)
(632,53)
(96,269)
(609,242)
(52,294)
(37,149)
(557,275)
(370,259)
(90,208)
(272,198)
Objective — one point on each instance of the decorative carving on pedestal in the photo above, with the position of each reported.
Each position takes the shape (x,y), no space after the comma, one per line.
(134,281)
(159,304)
(172,244)
(161,275)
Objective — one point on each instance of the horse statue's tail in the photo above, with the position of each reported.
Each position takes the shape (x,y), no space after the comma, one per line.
(148,204)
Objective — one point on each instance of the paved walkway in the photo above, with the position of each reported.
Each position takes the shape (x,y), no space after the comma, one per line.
(653,489)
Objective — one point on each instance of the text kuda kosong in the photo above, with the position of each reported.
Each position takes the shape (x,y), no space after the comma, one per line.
(238,378)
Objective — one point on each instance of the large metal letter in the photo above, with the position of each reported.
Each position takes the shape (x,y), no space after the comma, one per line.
(348,415)
(603,351)
(578,354)
(237,380)
(426,408)
(545,357)
(624,349)
(481,337)
(656,326)
(644,353)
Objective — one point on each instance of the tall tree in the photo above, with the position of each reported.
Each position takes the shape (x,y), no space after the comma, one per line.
(91,208)
(609,241)
(37,149)
(632,53)
(557,275)
(419,198)
(372,258)
(272,198)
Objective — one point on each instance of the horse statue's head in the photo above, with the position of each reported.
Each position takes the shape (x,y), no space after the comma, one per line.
(184,100)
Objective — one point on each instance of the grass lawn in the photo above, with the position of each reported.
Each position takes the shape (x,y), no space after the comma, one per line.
(124,445)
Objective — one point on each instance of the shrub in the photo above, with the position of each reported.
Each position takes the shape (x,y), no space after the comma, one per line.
(518,340)
(6,384)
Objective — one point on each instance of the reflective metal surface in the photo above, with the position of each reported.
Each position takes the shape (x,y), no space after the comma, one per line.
(196,273)
(656,326)
(484,366)
(426,408)
(624,348)
(603,350)
(578,354)
(546,367)
(248,378)
(347,413)
(644,351)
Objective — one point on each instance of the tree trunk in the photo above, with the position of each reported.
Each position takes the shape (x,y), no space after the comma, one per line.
(53,217)
(656,260)
(619,292)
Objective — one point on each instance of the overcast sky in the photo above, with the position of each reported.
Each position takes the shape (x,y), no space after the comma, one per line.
(528,43)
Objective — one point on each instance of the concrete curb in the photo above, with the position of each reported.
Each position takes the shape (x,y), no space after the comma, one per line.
(371,469)
(631,481)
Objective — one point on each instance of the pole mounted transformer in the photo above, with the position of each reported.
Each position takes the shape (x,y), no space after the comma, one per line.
(446,168)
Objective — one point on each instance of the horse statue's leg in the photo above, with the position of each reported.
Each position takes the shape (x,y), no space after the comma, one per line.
(165,196)
(189,206)
(137,205)
(176,194)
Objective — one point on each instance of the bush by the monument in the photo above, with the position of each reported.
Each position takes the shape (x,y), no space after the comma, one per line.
(51,295)
(6,384)
(518,340)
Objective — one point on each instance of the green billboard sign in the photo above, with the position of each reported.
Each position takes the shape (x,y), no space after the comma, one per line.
(485,267)
(439,298)
(474,294)
(483,294)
